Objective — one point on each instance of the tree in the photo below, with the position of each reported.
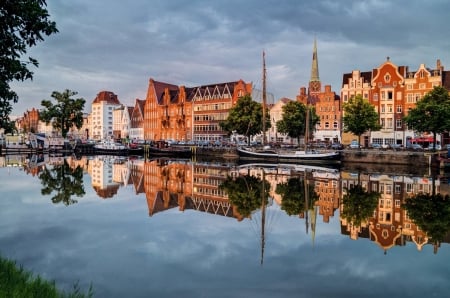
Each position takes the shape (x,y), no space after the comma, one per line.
(246,118)
(431,114)
(359,204)
(245,192)
(66,113)
(293,122)
(431,213)
(297,195)
(22,24)
(360,116)
(64,182)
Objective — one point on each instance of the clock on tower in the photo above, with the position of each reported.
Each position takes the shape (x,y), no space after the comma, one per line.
(314,86)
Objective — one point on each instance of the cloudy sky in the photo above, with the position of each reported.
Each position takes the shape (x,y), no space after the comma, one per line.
(119,45)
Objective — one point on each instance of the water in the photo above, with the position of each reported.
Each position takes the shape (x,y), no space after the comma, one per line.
(137,228)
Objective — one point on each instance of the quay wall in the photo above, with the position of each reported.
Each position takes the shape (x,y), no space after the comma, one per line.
(417,159)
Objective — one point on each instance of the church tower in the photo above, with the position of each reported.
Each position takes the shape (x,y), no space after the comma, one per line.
(314,82)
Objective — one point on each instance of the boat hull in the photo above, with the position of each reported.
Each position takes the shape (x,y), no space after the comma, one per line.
(171,151)
(309,158)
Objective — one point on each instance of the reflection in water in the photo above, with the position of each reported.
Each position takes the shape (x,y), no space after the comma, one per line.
(389,209)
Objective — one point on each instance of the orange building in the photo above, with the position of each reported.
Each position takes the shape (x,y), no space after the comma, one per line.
(393,91)
(326,103)
(189,114)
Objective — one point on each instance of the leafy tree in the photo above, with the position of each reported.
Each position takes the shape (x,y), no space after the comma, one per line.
(66,113)
(432,113)
(359,204)
(360,116)
(22,24)
(246,118)
(63,180)
(294,194)
(246,193)
(293,122)
(431,212)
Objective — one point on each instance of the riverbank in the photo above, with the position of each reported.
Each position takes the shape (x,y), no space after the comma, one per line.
(17,282)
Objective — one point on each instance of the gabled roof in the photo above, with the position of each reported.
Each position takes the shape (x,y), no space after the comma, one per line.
(107,96)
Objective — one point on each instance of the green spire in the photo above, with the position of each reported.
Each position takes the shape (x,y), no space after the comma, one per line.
(315,65)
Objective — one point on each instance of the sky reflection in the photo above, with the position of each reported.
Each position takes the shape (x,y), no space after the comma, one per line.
(124,252)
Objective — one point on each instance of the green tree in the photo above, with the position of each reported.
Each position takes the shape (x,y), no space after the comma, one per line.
(66,113)
(293,122)
(359,204)
(432,113)
(246,118)
(64,181)
(431,213)
(245,192)
(360,116)
(297,196)
(22,25)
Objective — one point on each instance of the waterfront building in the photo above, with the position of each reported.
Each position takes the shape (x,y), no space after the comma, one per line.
(189,114)
(393,91)
(167,112)
(102,114)
(276,114)
(211,105)
(326,103)
(136,128)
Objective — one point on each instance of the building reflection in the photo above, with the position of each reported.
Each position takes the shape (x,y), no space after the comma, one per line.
(188,185)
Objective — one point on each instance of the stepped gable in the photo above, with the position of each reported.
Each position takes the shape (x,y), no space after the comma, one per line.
(367,75)
(107,96)
(160,87)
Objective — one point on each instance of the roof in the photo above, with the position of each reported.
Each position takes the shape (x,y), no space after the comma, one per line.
(107,96)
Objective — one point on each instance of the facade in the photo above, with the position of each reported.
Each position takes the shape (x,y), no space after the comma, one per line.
(393,91)
(326,103)
(167,112)
(136,131)
(189,114)
(211,105)
(103,107)
(276,114)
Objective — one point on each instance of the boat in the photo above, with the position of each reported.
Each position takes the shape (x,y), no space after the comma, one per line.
(110,147)
(162,148)
(298,156)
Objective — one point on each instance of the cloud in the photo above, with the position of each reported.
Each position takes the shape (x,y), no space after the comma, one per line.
(119,46)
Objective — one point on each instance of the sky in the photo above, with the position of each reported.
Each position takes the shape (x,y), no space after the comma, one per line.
(119,45)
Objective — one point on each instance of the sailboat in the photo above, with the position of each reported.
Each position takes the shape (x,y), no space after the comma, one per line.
(269,155)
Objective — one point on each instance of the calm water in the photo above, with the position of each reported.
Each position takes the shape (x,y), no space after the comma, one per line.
(137,228)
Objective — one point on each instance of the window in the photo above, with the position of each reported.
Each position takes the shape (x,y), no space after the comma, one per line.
(399,109)
(398,123)
(375,96)
(390,95)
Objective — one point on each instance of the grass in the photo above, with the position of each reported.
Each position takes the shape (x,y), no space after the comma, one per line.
(15,282)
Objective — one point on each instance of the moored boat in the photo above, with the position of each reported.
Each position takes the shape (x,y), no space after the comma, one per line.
(269,155)
(110,147)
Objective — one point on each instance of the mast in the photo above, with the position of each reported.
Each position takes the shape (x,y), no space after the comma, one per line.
(263,217)
(264,100)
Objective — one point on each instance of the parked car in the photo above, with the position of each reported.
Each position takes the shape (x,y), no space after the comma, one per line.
(375,146)
(395,146)
(354,145)
(415,147)
(336,146)
(437,148)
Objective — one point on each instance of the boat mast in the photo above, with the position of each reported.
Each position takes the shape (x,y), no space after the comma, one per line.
(263,216)
(264,100)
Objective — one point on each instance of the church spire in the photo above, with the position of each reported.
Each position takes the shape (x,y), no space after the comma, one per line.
(315,65)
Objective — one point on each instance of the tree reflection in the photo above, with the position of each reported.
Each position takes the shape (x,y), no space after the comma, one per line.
(297,195)
(359,204)
(431,213)
(63,180)
(245,192)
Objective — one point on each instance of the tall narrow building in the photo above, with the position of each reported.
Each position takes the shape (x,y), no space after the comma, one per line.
(326,103)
